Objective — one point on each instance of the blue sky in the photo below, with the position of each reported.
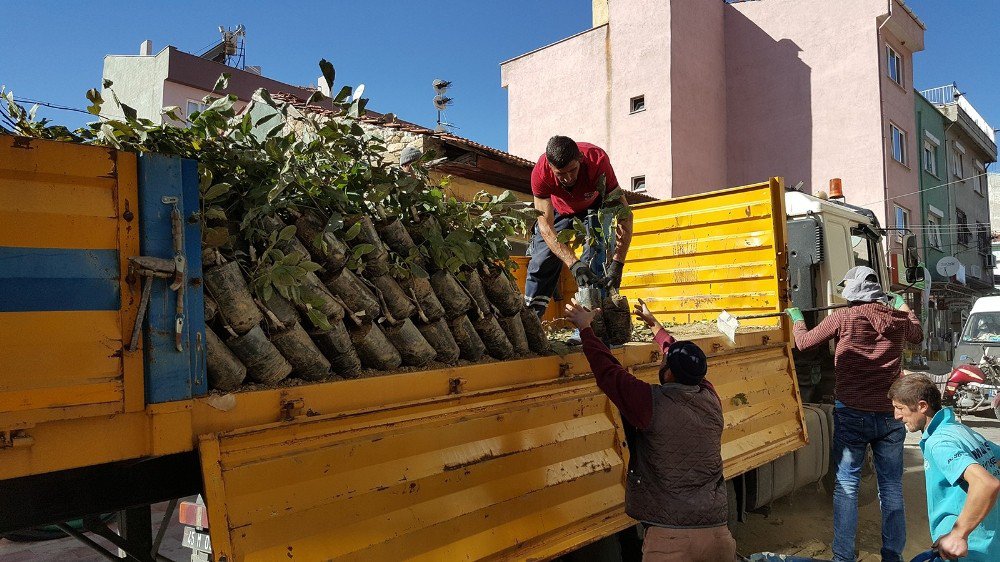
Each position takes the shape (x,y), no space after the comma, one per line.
(53,50)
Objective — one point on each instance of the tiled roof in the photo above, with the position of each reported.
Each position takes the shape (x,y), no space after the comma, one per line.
(390,121)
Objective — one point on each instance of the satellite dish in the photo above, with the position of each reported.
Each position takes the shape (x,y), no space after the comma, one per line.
(948,266)
(441,102)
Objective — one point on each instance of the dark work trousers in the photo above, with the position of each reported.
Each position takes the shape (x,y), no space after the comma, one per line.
(544,267)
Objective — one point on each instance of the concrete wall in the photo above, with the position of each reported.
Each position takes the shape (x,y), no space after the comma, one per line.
(965,197)
(902,180)
(930,120)
(138,82)
(639,33)
(803,95)
(559,90)
(172,77)
(698,120)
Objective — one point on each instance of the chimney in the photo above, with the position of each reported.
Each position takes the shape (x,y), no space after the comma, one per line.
(146,48)
(836,189)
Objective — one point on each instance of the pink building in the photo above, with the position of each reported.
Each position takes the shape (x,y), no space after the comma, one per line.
(693,95)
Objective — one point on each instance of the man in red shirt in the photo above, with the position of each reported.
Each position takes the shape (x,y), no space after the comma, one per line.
(570,180)
(870,337)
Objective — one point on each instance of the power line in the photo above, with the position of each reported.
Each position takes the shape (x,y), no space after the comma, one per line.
(919,191)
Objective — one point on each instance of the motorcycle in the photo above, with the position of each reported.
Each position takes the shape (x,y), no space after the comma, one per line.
(972,387)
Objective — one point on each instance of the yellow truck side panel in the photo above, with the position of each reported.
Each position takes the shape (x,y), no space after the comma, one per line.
(695,256)
(66,308)
(525,459)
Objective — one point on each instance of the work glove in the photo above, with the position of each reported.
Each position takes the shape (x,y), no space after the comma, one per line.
(795,314)
(614,279)
(584,276)
(895,300)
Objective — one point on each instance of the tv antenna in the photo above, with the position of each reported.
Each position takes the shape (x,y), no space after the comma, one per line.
(231,51)
(441,102)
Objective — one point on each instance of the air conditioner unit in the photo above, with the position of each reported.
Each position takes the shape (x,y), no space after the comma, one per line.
(976,271)
(991,261)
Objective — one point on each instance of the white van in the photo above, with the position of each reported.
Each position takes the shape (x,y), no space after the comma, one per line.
(981,330)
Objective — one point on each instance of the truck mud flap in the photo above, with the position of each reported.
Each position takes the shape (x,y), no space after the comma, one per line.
(532,474)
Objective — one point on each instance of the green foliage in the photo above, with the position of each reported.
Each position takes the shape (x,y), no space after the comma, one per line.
(270,163)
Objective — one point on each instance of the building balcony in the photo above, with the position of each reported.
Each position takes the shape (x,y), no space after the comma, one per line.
(957,107)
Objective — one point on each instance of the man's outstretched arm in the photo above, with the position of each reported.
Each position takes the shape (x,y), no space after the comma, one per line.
(633,397)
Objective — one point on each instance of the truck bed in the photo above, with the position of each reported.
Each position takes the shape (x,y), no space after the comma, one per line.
(513,459)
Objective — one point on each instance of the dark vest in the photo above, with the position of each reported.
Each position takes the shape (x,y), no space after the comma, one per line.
(675,466)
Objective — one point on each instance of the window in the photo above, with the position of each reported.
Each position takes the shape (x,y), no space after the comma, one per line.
(637,104)
(979,182)
(638,183)
(930,157)
(934,231)
(195,106)
(902,221)
(962,231)
(898,144)
(894,65)
(958,161)
(983,242)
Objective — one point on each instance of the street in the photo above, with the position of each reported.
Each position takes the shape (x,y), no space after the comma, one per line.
(802,523)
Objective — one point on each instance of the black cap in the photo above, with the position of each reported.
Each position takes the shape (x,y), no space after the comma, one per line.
(687,362)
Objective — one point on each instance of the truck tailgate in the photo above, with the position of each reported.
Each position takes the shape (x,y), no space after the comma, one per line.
(65,307)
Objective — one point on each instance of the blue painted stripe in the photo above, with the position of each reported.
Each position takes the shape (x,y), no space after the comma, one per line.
(54,279)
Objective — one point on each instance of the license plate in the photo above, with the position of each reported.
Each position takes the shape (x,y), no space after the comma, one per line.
(196,540)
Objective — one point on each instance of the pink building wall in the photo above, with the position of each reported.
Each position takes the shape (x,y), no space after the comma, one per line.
(902,180)
(640,144)
(697,84)
(734,94)
(803,95)
(560,89)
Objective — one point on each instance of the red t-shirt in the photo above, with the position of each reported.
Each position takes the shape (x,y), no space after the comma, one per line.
(584,193)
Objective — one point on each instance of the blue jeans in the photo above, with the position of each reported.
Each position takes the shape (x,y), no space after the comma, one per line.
(853,432)
(544,267)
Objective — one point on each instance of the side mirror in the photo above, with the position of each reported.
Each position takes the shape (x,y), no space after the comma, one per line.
(911,258)
(914,275)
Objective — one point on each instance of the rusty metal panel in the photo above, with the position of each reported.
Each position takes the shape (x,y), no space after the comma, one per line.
(693,257)
(513,477)
(65,306)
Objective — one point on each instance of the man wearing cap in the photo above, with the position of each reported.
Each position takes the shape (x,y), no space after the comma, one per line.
(568,181)
(408,157)
(870,336)
(675,486)
(961,471)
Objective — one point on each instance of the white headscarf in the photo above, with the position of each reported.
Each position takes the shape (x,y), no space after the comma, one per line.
(861,285)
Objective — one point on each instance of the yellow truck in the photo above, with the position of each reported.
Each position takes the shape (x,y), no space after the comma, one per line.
(522,459)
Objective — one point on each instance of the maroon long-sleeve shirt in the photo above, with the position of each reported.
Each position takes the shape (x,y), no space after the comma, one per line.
(632,396)
(869,350)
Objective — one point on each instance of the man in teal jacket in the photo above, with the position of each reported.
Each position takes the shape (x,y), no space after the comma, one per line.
(961,469)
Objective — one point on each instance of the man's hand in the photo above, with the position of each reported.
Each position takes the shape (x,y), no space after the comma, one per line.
(584,276)
(643,313)
(580,316)
(795,314)
(615,270)
(895,300)
(952,546)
